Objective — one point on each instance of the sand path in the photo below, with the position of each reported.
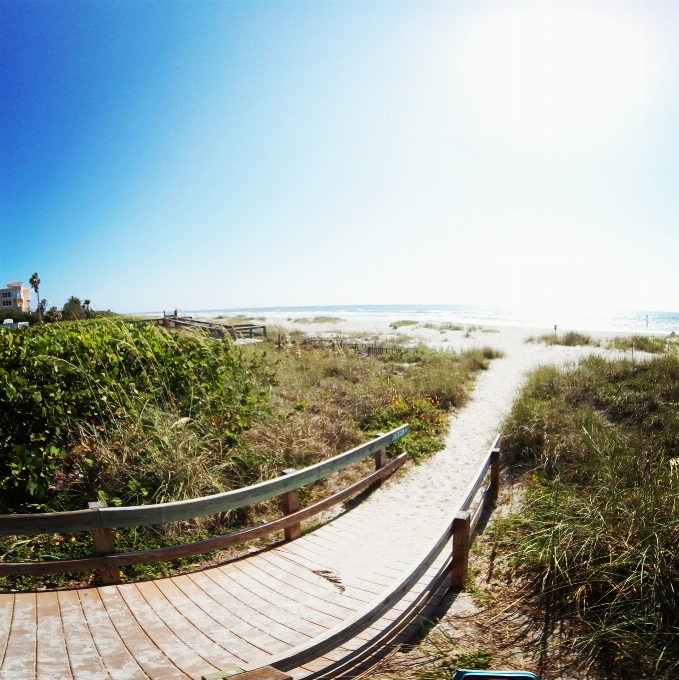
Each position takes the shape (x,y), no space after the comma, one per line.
(396,523)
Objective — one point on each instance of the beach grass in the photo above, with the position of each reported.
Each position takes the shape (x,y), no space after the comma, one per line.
(594,547)
(443,327)
(641,343)
(569,339)
(319,319)
(403,322)
(233,320)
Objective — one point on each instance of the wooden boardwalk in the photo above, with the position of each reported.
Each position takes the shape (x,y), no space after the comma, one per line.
(233,616)
(323,605)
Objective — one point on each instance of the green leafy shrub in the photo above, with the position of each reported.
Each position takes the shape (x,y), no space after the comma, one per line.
(74,394)
(435,383)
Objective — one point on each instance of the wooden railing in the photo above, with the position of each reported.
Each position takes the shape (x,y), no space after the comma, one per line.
(460,526)
(100,520)
(236,331)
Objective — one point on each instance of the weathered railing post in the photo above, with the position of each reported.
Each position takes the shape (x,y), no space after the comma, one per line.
(290,504)
(381,455)
(494,488)
(104,545)
(460,561)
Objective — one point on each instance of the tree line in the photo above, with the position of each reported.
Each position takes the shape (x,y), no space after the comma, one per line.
(73,309)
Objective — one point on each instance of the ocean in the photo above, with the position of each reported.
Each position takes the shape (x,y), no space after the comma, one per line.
(628,321)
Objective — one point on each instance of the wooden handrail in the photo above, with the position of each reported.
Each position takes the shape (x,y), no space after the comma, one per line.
(349,628)
(140,515)
(234,330)
(101,519)
(346,663)
(118,560)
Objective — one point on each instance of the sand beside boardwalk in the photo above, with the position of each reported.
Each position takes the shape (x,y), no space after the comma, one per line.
(396,523)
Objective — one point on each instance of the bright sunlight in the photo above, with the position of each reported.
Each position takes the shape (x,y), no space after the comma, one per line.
(554,66)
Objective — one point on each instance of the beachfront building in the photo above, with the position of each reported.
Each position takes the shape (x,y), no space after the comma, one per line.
(15,296)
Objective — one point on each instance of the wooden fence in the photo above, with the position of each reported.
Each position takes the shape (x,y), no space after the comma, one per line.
(100,520)
(217,330)
(236,331)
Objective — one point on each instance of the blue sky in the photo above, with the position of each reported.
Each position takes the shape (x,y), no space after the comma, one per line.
(203,155)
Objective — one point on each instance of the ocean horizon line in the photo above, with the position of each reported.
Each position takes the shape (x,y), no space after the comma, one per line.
(620,320)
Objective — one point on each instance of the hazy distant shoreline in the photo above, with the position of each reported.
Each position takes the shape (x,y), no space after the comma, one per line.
(617,322)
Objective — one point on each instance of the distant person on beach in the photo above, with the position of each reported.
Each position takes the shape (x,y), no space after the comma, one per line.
(646,321)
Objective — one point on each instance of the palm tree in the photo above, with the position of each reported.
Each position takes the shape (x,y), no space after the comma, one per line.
(34,283)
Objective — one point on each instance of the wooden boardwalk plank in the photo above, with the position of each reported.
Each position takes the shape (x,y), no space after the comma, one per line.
(182,656)
(115,656)
(287,598)
(370,580)
(246,628)
(297,556)
(317,586)
(281,623)
(52,659)
(243,650)
(315,550)
(261,572)
(321,556)
(6,613)
(83,656)
(331,535)
(19,661)
(185,630)
(154,663)
(346,519)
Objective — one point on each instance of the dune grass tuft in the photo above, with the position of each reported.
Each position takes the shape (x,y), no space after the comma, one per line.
(570,339)
(443,327)
(640,343)
(596,544)
(232,320)
(403,322)
(319,319)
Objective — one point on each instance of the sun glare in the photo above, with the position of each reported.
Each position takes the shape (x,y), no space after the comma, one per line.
(553,66)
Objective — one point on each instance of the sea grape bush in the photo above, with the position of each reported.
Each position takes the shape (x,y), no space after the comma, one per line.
(63,387)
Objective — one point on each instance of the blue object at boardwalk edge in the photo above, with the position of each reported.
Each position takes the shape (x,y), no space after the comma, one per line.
(494,675)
